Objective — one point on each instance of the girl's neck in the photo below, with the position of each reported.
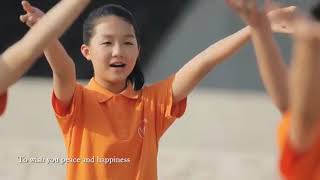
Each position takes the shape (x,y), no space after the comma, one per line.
(115,88)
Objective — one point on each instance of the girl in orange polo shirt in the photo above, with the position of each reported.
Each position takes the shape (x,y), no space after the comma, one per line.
(112,126)
(299,139)
(17,59)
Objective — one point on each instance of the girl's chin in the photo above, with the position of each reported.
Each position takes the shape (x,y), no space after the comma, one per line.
(116,79)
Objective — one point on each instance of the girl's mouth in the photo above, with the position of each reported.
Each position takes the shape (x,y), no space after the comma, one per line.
(117,65)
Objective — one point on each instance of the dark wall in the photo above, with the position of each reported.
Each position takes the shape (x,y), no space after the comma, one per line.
(154,19)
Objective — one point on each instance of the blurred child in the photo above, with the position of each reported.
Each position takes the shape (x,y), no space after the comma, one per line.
(296,94)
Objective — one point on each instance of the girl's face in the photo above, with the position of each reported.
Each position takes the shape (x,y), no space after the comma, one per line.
(113,49)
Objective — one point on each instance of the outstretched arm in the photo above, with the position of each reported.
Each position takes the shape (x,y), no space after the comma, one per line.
(305,85)
(63,67)
(271,65)
(196,69)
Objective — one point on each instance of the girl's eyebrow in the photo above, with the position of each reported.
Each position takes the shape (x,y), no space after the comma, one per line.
(130,36)
(111,36)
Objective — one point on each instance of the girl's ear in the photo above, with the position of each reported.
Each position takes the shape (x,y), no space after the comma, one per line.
(85,51)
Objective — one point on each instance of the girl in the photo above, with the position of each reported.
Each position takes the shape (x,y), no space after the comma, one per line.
(299,136)
(18,58)
(112,126)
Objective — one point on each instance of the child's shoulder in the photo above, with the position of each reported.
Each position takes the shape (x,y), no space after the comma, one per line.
(164,83)
(160,87)
(155,86)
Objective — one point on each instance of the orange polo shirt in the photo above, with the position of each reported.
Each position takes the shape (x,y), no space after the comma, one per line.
(118,134)
(3,103)
(294,165)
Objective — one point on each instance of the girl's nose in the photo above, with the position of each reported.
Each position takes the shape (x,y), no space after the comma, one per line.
(117,50)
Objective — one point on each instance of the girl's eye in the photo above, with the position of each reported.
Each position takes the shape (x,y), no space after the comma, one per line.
(107,43)
(128,43)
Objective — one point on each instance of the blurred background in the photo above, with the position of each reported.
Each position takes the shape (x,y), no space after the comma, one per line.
(228,131)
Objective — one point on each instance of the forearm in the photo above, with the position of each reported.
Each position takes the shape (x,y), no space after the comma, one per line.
(13,64)
(53,24)
(59,60)
(305,93)
(272,68)
(196,69)
(64,73)
(223,49)
(49,28)
(57,19)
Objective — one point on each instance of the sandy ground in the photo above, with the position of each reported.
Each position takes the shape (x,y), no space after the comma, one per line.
(223,135)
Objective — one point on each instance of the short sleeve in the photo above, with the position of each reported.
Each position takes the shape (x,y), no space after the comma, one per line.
(296,165)
(3,102)
(66,117)
(299,166)
(283,130)
(166,111)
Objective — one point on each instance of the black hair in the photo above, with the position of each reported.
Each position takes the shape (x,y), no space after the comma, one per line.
(136,77)
(315,11)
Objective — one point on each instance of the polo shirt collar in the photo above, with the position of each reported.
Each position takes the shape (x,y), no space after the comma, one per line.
(105,94)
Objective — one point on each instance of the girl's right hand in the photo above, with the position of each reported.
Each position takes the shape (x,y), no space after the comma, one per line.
(32,15)
(248,11)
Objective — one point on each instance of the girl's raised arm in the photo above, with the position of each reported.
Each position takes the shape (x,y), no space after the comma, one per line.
(63,67)
(272,68)
(195,70)
(305,85)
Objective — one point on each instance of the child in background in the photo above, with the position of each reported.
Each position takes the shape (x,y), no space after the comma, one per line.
(296,94)
(115,121)
(18,58)
(299,130)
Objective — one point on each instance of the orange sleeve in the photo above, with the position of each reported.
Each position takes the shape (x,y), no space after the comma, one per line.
(283,130)
(167,112)
(66,117)
(3,103)
(294,165)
